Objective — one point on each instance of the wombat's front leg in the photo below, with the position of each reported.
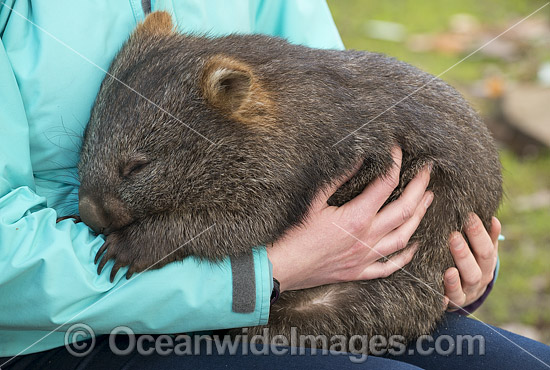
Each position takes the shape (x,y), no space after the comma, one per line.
(142,245)
(123,246)
(160,239)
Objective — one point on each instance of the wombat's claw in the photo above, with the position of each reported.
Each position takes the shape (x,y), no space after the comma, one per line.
(104,261)
(75,218)
(114,270)
(116,247)
(105,258)
(100,252)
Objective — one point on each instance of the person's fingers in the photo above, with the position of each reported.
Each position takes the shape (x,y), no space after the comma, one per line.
(398,238)
(470,271)
(320,199)
(384,269)
(453,289)
(445,302)
(373,197)
(482,246)
(496,228)
(401,210)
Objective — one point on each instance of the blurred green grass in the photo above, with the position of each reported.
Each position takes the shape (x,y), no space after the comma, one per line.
(426,16)
(522,292)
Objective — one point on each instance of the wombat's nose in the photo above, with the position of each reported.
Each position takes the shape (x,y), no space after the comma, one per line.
(92,215)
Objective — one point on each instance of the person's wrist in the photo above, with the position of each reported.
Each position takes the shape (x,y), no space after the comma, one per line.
(279,273)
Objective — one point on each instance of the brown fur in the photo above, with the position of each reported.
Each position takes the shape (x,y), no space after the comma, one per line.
(232,87)
(289,121)
(157,23)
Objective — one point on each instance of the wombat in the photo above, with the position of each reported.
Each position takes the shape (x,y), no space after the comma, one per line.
(232,138)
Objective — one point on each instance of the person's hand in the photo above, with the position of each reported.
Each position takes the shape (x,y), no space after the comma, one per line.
(337,244)
(474,267)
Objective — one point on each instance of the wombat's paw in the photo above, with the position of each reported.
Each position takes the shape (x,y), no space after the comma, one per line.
(124,250)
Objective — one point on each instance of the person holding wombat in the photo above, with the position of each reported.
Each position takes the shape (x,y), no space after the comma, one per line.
(58,258)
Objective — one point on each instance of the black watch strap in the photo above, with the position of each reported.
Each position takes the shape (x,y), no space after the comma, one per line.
(276,291)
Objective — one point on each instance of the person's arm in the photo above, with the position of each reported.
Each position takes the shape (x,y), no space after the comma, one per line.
(49,280)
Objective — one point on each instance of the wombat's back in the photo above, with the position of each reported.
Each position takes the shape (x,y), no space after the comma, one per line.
(387,101)
(357,105)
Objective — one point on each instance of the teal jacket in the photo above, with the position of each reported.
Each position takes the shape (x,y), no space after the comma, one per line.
(53,57)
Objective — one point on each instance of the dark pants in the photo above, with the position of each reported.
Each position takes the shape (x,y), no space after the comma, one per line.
(458,343)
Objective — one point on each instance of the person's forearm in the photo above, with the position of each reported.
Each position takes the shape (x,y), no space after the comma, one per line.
(50,280)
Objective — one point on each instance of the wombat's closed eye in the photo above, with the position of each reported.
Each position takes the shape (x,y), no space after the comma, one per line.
(243,132)
(133,166)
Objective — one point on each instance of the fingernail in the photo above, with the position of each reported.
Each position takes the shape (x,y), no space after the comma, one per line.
(456,243)
(429,198)
(453,280)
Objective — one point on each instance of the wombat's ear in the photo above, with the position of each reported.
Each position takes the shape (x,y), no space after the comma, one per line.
(231,86)
(157,23)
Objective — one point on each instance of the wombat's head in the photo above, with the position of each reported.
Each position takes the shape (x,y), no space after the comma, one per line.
(171,129)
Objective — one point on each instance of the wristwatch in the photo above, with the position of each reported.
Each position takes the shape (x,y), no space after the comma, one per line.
(276,291)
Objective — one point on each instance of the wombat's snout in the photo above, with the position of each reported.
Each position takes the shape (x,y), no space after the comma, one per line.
(103,213)
(92,214)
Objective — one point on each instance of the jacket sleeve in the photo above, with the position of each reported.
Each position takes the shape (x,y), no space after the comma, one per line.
(306,22)
(48,279)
